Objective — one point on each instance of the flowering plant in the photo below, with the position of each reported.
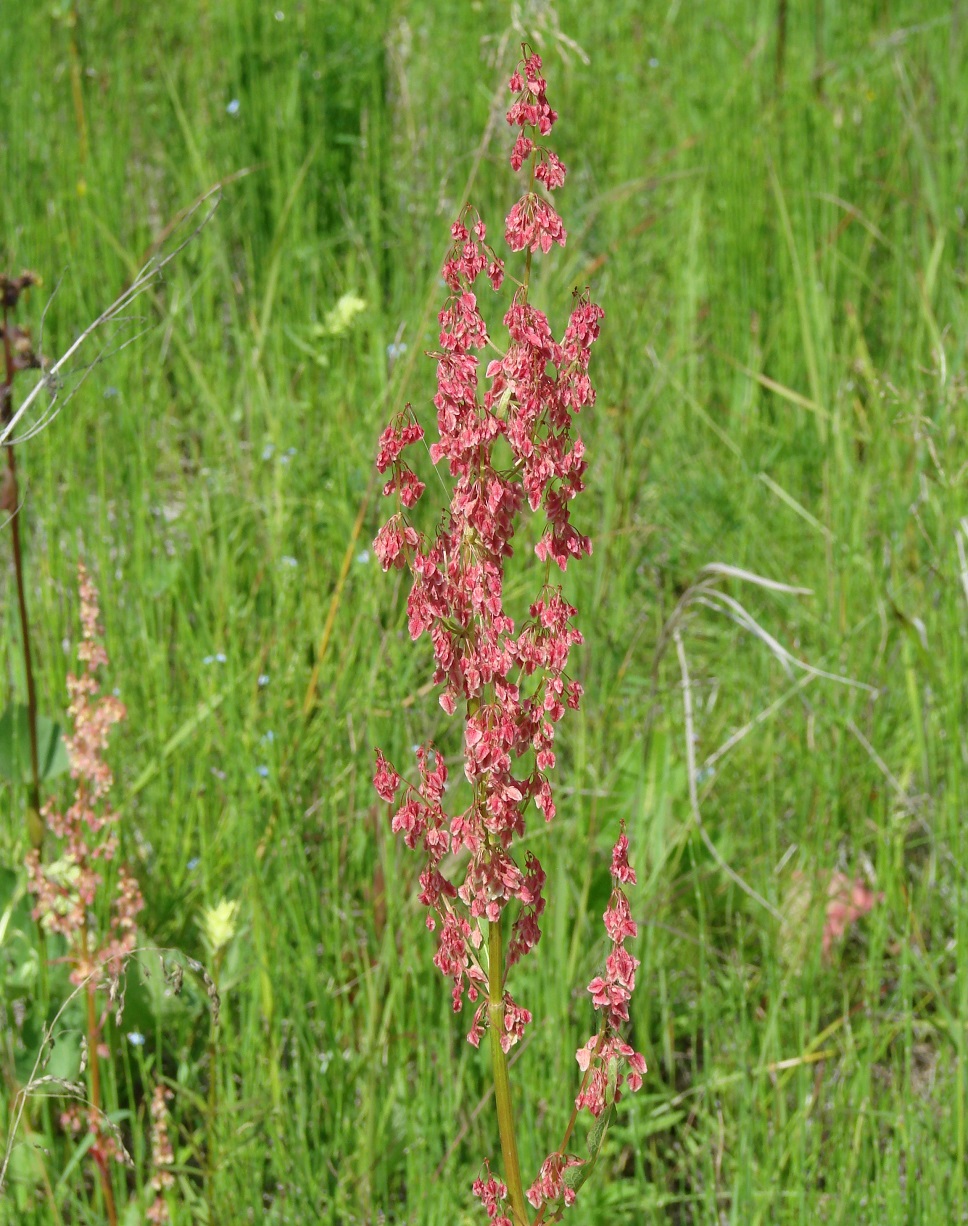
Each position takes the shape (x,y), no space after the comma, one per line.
(513,447)
(67,889)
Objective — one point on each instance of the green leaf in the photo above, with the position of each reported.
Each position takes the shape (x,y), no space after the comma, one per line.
(11,888)
(596,1135)
(52,759)
(15,907)
(575,1176)
(64,1061)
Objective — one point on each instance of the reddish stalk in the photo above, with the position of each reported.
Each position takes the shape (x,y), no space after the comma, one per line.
(10,502)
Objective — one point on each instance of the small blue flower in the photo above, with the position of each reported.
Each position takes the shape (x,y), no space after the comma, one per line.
(363,557)
(193,863)
(233,107)
(136,1039)
(268,451)
(653,62)
(287,560)
(269,737)
(263,679)
(208,660)
(220,656)
(110,393)
(262,772)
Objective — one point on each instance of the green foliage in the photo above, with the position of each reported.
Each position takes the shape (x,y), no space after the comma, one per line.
(15,746)
(782,388)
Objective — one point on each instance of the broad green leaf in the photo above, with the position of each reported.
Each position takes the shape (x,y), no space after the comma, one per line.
(52,756)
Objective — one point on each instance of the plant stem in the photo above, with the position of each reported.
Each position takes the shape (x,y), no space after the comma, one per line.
(495,980)
(35,1141)
(77,92)
(95,1066)
(781,43)
(34,794)
(212,1107)
(12,498)
(502,1084)
(574,1113)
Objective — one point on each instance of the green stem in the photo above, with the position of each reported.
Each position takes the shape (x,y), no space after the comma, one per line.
(502,1084)
(94,1068)
(527,254)
(211,1158)
(574,1114)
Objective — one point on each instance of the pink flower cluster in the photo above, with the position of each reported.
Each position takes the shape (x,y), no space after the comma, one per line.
(606,1052)
(65,890)
(533,222)
(492,1194)
(510,448)
(513,445)
(606,1060)
(847,901)
(550,1186)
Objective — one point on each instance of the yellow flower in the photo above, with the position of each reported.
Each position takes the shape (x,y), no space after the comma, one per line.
(340,319)
(218,925)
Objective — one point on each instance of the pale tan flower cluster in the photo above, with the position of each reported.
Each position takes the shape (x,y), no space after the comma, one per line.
(162,1155)
(65,888)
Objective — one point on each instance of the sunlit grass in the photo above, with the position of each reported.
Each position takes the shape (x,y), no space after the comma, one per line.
(782,388)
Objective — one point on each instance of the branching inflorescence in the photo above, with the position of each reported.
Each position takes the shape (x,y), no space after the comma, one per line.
(68,890)
(513,447)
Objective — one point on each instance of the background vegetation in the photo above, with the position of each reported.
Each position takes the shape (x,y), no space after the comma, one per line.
(778,237)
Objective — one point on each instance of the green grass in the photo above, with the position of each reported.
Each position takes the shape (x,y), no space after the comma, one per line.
(782,387)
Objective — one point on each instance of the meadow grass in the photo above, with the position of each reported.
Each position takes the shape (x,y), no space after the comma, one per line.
(782,388)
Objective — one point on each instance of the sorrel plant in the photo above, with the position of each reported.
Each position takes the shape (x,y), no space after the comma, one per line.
(510,451)
(69,888)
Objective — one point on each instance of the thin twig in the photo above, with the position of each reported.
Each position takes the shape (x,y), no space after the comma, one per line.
(148,274)
(758,719)
(56,407)
(876,758)
(749,576)
(739,614)
(961,535)
(693,788)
